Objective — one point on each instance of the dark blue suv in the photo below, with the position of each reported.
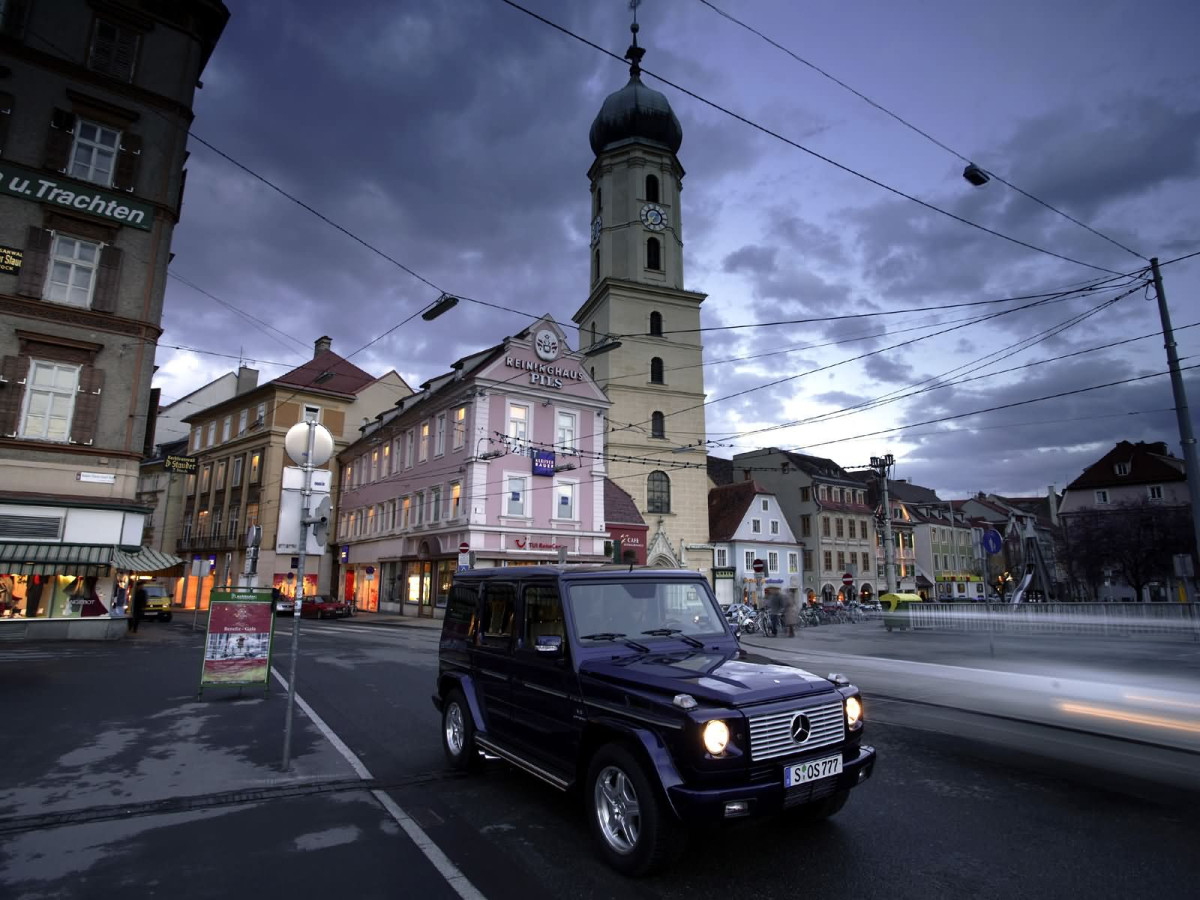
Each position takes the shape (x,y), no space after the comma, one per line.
(629,685)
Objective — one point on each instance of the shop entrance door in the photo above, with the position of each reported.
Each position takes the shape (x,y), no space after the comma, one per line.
(420,587)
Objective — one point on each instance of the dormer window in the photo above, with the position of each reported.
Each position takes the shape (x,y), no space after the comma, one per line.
(1154,492)
(1121,468)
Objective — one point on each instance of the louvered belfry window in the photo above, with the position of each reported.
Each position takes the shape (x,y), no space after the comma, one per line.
(114,50)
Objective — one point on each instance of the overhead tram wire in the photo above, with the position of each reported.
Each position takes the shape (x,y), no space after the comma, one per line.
(924,134)
(813,153)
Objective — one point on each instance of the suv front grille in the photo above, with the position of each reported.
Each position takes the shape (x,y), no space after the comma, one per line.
(771,734)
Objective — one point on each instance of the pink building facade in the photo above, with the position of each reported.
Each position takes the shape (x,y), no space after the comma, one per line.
(504,453)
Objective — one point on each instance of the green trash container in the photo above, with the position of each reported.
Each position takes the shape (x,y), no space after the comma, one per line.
(895,610)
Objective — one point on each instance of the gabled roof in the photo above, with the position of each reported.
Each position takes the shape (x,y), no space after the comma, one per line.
(619,508)
(347,378)
(1147,463)
(727,506)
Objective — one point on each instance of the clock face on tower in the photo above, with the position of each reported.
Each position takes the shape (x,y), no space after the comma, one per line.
(654,217)
(595,229)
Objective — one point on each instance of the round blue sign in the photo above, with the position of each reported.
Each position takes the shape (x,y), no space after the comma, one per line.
(992,542)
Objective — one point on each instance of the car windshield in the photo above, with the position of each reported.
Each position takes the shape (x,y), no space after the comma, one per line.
(640,607)
(154,591)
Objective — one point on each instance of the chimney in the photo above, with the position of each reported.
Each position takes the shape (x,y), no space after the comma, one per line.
(1052,499)
(321,344)
(247,379)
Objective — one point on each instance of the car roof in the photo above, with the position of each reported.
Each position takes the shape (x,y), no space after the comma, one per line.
(568,572)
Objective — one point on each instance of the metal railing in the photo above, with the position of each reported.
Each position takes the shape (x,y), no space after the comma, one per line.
(1181,619)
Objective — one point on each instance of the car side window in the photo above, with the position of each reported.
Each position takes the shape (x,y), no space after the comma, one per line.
(544,628)
(499,605)
(462,614)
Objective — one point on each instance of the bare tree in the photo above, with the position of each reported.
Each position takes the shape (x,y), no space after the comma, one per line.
(1135,542)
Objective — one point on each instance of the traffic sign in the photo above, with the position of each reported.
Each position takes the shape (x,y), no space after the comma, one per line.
(991,541)
(759,566)
(464,547)
(847,579)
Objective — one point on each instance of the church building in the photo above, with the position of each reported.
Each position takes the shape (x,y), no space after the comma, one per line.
(655,379)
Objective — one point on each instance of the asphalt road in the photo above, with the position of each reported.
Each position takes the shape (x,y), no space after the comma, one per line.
(961,804)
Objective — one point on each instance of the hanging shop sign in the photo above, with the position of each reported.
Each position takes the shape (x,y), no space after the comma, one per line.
(543,462)
(28,184)
(184,464)
(10,260)
(238,648)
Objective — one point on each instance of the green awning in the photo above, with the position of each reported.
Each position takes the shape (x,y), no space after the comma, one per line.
(146,559)
(55,559)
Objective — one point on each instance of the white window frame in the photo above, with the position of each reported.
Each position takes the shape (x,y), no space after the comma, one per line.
(509,479)
(239,465)
(793,562)
(459,436)
(49,393)
(522,424)
(65,252)
(722,559)
(756,526)
(1154,491)
(94,149)
(435,503)
(405,511)
(1121,468)
(197,437)
(212,433)
(419,508)
(560,485)
(774,526)
(1101,498)
(455,499)
(773,562)
(749,557)
(410,447)
(423,445)
(243,418)
(765,505)
(439,435)
(566,437)
(226,428)
(261,417)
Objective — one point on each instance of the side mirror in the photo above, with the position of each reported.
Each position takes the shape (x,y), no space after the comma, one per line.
(549,645)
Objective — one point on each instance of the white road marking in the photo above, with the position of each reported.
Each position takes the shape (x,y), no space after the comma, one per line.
(453,875)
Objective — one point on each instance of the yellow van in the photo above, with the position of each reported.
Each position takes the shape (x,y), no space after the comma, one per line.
(895,610)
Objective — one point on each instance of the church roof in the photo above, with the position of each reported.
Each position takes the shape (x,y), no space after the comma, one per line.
(635,113)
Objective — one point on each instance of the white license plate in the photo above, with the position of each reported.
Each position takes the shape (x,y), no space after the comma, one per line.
(813,770)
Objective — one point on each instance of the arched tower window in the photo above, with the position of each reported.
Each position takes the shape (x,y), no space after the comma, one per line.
(652,188)
(653,254)
(656,370)
(656,324)
(658,493)
(658,427)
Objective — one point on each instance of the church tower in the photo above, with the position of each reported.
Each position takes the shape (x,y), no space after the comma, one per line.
(655,380)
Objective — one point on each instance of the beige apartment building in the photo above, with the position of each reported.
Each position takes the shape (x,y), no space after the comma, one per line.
(238,448)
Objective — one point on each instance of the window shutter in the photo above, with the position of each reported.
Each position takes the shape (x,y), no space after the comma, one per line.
(12,375)
(6,108)
(113,51)
(32,277)
(108,278)
(59,140)
(87,405)
(128,160)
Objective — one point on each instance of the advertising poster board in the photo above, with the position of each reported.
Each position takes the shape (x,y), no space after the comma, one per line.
(237,650)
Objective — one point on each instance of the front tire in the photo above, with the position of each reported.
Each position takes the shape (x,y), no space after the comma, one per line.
(634,830)
(458,732)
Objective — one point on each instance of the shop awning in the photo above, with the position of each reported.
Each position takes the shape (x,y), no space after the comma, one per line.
(55,559)
(147,559)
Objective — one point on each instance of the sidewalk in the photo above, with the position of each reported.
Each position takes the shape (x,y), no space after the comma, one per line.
(120,782)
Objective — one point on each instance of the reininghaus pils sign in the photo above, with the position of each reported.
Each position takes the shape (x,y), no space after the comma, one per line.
(17,181)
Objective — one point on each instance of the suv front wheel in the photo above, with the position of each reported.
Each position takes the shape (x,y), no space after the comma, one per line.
(634,830)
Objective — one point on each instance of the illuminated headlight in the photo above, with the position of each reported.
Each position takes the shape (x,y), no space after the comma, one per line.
(853,712)
(716,737)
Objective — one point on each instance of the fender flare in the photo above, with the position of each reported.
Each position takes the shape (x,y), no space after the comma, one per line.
(465,683)
(654,751)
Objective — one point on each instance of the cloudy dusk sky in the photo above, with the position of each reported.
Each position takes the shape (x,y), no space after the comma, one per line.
(453,138)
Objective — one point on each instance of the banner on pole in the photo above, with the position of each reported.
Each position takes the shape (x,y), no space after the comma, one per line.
(237,650)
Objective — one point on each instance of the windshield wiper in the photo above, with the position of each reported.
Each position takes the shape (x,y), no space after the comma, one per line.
(668,632)
(614,636)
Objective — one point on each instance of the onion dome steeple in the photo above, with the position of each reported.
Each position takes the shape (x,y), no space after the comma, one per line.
(635,112)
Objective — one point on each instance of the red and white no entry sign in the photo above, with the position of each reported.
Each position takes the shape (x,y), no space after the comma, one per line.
(464,547)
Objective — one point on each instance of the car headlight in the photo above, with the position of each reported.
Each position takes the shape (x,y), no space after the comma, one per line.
(716,737)
(853,712)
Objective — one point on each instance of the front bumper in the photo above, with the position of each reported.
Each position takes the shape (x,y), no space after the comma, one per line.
(700,806)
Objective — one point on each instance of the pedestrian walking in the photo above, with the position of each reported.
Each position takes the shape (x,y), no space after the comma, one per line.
(138,609)
(774,609)
(791,615)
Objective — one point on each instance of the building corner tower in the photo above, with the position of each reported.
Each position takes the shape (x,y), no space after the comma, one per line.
(655,380)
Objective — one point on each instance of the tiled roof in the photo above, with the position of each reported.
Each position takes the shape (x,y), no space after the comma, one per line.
(1148,464)
(727,507)
(619,507)
(347,377)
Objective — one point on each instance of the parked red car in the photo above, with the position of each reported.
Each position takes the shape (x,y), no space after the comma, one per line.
(321,606)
